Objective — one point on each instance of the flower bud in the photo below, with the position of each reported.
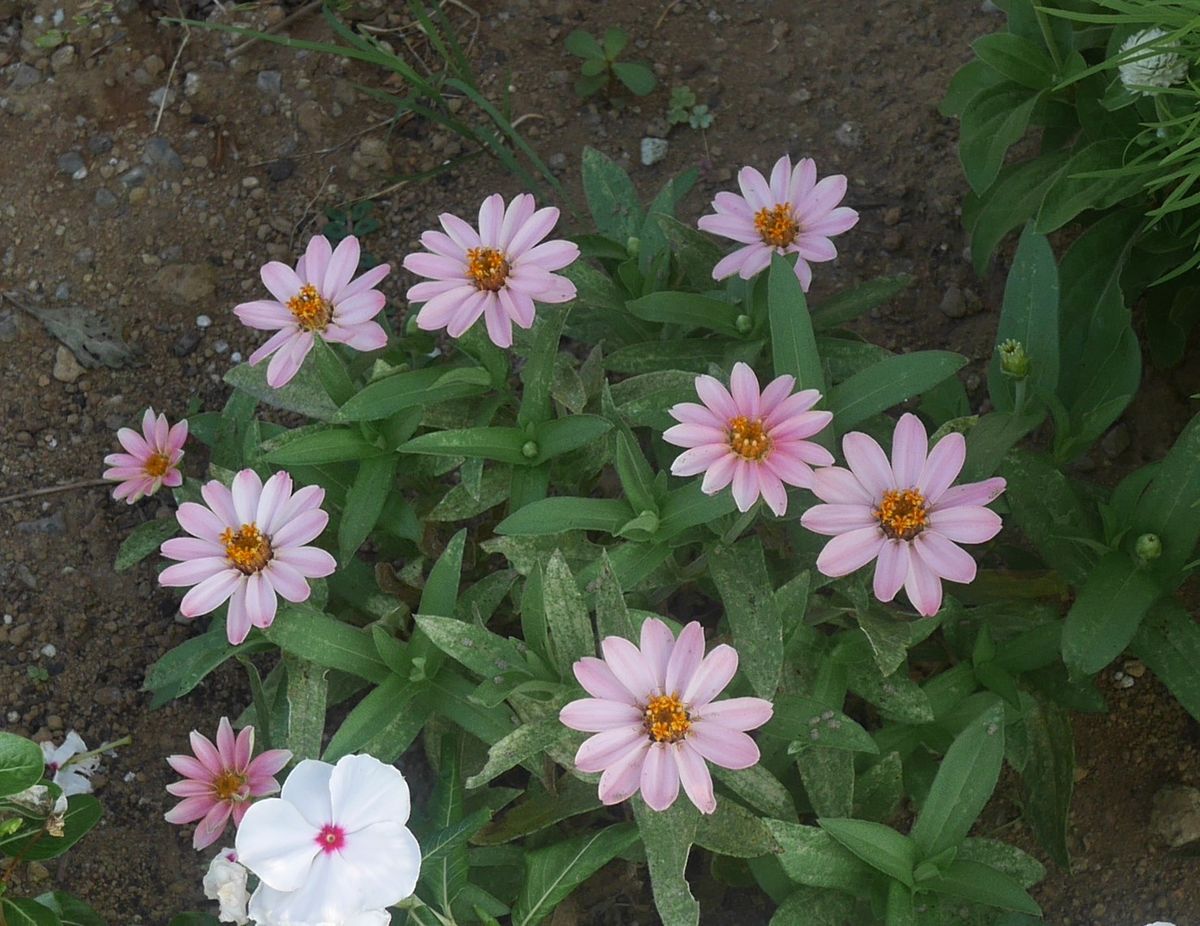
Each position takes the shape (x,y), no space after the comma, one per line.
(530,450)
(1014,361)
(1147,548)
(743,323)
(633,246)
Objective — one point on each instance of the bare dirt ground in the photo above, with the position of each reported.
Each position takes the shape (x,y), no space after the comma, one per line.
(156,222)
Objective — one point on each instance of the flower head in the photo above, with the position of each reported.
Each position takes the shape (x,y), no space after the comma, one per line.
(756,440)
(247,545)
(1152,69)
(333,847)
(317,299)
(904,514)
(653,711)
(497,272)
(151,459)
(225,882)
(221,780)
(73,775)
(792,213)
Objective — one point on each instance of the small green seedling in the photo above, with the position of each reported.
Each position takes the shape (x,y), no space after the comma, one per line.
(683,109)
(600,68)
(356,220)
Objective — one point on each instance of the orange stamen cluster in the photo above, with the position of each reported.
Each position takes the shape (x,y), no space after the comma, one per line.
(902,513)
(666,719)
(229,785)
(777,226)
(157,464)
(311,309)
(247,548)
(487,267)
(748,439)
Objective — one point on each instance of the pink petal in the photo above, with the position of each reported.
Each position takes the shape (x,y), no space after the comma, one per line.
(837,519)
(190,788)
(756,261)
(191,768)
(694,775)
(226,743)
(211,593)
(694,413)
(311,562)
(459,231)
(851,551)
(695,435)
(943,466)
(923,587)
(620,780)
(539,284)
(271,501)
(362,307)
(189,810)
(891,569)
(804,178)
(743,386)
(841,487)
(300,530)
(518,306)
(341,268)
(438,311)
(209,829)
(206,752)
(736,713)
(599,681)
(261,601)
(736,228)
(200,522)
(192,571)
(220,500)
(660,777)
(534,230)
(551,255)
(745,484)
(366,282)
(281,281)
(422,292)
(720,474)
(316,262)
(468,313)
(237,623)
(723,746)
(288,359)
(628,665)
(711,677)
(698,459)
(776,391)
(825,196)
(975,494)
(803,274)
(869,463)
(840,220)
(134,443)
(685,659)
(261,772)
(593,715)
(910,444)
(733,263)
(609,747)
(788,464)
(657,642)
(947,560)
(246,488)
(264,314)
(780,181)
(243,747)
(443,245)
(716,397)
(435,267)
(815,248)
(965,523)
(771,488)
(755,189)
(491,216)
(499,324)
(518,213)
(183,548)
(287,580)
(732,204)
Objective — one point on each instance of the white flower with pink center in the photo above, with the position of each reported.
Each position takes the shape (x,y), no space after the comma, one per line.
(248,545)
(70,766)
(333,848)
(317,299)
(903,514)
(151,459)
(755,440)
(498,272)
(654,711)
(792,213)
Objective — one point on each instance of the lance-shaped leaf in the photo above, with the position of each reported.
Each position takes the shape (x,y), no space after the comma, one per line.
(740,574)
(668,837)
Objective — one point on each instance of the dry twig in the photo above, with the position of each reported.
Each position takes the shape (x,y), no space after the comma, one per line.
(283,23)
(51,490)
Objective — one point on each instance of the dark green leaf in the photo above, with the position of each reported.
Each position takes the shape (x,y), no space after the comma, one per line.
(553,872)
(740,574)
(793,345)
(889,383)
(143,540)
(1106,613)
(21,764)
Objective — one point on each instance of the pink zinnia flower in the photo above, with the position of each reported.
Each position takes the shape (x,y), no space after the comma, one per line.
(247,546)
(317,298)
(754,440)
(655,719)
(498,272)
(151,459)
(791,214)
(904,514)
(221,781)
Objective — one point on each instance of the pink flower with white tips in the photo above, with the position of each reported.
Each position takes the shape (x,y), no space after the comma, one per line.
(247,546)
(655,718)
(151,459)
(497,272)
(317,299)
(221,781)
(333,848)
(755,440)
(792,213)
(904,514)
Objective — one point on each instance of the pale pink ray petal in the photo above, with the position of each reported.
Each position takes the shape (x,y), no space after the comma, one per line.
(804,177)
(711,677)
(793,407)
(972,494)
(733,204)
(443,245)
(942,467)
(891,569)
(211,593)
(281,281)
(713,394)
(287,580)
(237,624)
(657,643)
(604,749)
(695,435)
(519,211)
(243,748)
(273,344)
(189,767)
(698,459)
(828,192)
(660,778)
(685,659)
(803,274)
(192,572)
(755,262)
(552,255)
(287,361)
(723,746)
(459,231)
(467,315)
(520,307)
(965,523)
(947,560)
(226,743)
(312,562)
(730,264)
(534,230)
(869,463)
(622,778)
(720,474)
(784,463)
(736,713)
(629,666)
(316,262)
(745,484)
(850,551)
(923,587)
(491,216)
(360,308)
(300,530)
(695,413)
(435,266)
(134,443)
(910,444)
(247,489)
(755,189)
(832,520)
(218,498)
(189,810)
(594,715)
(839,486)
(695,778)
(440,310)
(191,548)
(341,268)
(736,228)
(780,181)
(428,290)
(773,396)
(770,486)
(497,321)
(840,220)
(369,280)
(815,248)
(743,387)
(599,681)
(207,754)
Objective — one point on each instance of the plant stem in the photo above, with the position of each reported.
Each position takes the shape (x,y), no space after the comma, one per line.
(1048,38)
(740,525)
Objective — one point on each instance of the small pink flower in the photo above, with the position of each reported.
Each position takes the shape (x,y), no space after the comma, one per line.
(221,781)
(151,459)
(317,298)
(655,719)
(498,272)
(791,214)
(754,440)
(904,514)
(247,545)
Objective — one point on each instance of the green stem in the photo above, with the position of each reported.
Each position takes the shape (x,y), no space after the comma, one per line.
(740,525)
(1048,38)
(104,747)
(1019,398)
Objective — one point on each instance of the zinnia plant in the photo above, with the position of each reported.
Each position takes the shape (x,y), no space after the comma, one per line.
(151,459)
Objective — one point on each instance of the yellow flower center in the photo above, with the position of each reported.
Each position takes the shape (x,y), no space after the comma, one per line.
(666,719)
(311,309)
(777,226)
(748,439)
(901,513)
(487,267)
(228,786)
(248,548)
(157,464)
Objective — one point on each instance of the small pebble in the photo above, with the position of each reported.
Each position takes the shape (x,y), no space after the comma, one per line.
(49,651)
(203,321)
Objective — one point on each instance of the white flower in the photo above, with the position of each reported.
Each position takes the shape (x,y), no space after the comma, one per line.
(74,777)
(1161,69)
(332,849)
(225,883)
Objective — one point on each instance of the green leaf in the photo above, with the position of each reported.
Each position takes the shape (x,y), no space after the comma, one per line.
(850,304)
(21,764)
(306,690)
(527,742)
(636,76)
(24,912)
(1017,58)
(644,400)
(384,723)
(314,635)
(615,41)
(331,370)
(611,196)
(411,389)
(982,884)
(318,444)
(562,435)
(143,540)
(760,789)
(364,503)
(793,345)
(990,438)
(445,870)
(888,383)
(612,615)
(688,309)
(303,394)
(558,514)
(183,668)
(689,506)
(734,831)
(571,635)
(583,44)
(813,857)
(991,123)
(813,725)
(740,574)
(828,779)
(809,906)
(83,812)
(879,790)
(553,872)
(1168,506)
(483,652)
(501,444)
(968,82)
(668,838)
(71,910)
(963,784)
(1009,203)
(537,375)
(459,504)
(1106,613)
(694,251)
(541,809)
(637,478)
(1168,641)
(1073,192)
(441,588)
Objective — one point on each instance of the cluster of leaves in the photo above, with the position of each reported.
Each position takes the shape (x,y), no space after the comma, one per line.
(1105,154)
(601,71)
(684,110)
(31,831)
(357,220)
